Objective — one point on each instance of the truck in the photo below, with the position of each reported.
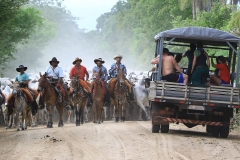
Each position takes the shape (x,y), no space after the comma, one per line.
(206,105)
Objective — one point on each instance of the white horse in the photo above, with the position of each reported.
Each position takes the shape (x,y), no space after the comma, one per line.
(23,110)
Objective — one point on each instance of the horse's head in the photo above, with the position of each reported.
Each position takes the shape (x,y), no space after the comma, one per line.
(96,77)
(16,90)
(120,77)
(42,82)
(75,83)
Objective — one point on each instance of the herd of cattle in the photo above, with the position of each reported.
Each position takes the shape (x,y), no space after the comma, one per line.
(138,110)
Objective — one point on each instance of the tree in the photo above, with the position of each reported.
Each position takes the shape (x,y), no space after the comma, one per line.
(17,24)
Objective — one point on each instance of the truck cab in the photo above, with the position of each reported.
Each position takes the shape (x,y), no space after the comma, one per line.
(210,106)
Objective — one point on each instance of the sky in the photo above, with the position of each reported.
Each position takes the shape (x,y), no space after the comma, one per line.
(88,11)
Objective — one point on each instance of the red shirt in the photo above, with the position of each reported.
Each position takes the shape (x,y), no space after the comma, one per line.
(224,72)
(74,72)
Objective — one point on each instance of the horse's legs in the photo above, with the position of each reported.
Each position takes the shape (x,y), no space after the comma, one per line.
(49,111)
(94,112)
(76,107)
(60,112)
(18,121)
(116,110)
(123,112)
(13,120)
(81,114)
(85,113)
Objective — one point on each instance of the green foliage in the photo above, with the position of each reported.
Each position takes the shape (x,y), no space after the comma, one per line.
(17,24)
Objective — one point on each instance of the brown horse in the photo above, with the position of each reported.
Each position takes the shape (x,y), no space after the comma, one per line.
(51,99)
(79,98)
(98,92)
(120,97)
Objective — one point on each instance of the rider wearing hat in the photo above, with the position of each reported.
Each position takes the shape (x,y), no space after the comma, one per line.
(113,74)
(80,71)
(99,68)
(55,74)
(23,80)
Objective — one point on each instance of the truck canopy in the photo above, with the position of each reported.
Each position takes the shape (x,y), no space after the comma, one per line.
(209,36)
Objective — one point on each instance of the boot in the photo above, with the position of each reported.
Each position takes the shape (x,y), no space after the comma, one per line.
(34,107)
(131,95)
(41,102)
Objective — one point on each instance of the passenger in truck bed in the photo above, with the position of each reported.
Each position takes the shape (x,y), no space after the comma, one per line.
(224,75)
(168,64)
(200,65)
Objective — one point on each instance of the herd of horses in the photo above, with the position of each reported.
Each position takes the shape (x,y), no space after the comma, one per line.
(22,112)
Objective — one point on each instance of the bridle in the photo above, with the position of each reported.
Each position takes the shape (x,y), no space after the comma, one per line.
(46,85)
(76,87)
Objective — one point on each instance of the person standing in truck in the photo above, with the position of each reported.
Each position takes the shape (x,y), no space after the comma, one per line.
(168,64)
(190,55)
(200,65)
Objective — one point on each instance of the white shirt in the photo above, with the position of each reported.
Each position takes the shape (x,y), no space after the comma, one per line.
(55,73)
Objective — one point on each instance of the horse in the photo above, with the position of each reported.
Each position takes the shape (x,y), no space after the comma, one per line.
(79,98)
(98,92)
(51,99)
(120,97)
(22,108)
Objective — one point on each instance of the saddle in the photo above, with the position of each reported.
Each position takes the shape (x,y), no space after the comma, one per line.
(29,94)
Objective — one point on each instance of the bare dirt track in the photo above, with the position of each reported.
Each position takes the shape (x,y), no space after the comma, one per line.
(110,140)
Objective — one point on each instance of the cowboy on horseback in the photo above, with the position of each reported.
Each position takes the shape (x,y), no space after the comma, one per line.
(102,71)
(23,80)
(55,74)
(80,71)
(115,67)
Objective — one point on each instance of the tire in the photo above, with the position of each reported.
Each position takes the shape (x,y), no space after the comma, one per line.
(215,131)
(208,128)
(164,128)
(224,131)
(155,128)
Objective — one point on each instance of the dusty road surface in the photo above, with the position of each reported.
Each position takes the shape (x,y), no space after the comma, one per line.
(110,140)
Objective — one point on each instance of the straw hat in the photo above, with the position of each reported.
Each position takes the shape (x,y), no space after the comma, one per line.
(118,56)
(77,59)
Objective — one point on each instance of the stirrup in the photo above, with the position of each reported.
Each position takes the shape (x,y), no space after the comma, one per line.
(59,98)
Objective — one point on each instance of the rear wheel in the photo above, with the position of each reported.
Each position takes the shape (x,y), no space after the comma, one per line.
(164,128)
(224,131)
(215,130)
(155,128)
(208,128)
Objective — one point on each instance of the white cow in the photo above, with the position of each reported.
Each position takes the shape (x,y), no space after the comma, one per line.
(141,97)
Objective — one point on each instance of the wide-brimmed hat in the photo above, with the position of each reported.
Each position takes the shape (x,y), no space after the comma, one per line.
(54,59)
(77,59)
(20,67)
(117,56)
(99,59)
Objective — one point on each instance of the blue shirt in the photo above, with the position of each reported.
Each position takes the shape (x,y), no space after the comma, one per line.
(22,77)
(54,73)
(113,73)
(104,73)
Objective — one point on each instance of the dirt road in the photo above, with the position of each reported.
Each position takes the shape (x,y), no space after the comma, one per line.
(110,140)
